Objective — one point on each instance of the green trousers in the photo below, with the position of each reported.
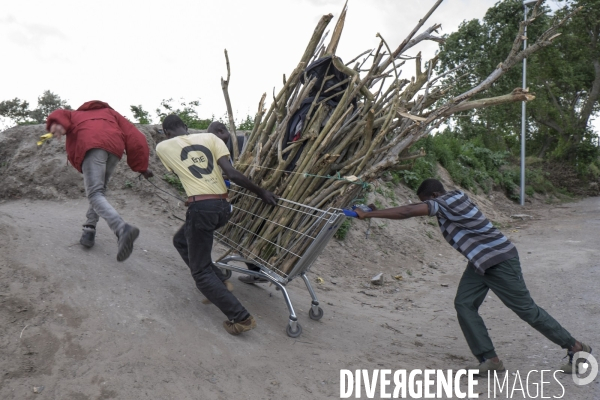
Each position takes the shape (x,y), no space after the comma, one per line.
(506,281)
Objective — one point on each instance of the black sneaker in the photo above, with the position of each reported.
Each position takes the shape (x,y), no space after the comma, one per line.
(126,239)
(88,236)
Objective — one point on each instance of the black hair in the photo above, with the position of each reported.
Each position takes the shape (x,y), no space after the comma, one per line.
(429,186)
(216,126)
(172,122)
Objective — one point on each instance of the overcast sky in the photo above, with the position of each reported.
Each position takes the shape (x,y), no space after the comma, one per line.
(139,52)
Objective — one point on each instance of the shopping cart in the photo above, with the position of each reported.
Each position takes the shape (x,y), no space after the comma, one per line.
(283,245)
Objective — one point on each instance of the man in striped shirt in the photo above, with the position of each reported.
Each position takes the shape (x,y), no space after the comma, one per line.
(493,264)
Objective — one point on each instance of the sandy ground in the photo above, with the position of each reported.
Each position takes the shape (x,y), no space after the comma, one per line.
(84,326)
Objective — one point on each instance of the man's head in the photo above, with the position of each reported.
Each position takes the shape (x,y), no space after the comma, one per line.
(174,126)
(430,189)
(219,129)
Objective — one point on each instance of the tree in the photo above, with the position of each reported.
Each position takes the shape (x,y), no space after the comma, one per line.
(18,110)
(15,109)
(47,103)
(564,78)
(247,124)
(142,116)
(571,79)
(187,113)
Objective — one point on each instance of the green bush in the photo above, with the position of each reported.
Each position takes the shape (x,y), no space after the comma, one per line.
(343,230)
(475,167)
(174,181)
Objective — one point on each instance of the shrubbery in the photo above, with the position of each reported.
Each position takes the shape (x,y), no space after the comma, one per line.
(475,167)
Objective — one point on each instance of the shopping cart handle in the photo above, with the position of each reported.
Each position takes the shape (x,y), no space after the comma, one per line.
(350,213)
(353,214)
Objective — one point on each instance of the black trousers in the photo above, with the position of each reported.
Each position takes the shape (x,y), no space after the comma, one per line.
(194,241)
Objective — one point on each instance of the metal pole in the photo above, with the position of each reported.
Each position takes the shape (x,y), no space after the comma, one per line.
(523,122)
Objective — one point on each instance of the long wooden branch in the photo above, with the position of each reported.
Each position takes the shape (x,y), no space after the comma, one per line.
(403,45)
(232,133)
(316,38)
(516,95)
(337,32)
(426,35)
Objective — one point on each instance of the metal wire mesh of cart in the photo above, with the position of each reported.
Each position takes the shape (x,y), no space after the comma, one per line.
(284,239)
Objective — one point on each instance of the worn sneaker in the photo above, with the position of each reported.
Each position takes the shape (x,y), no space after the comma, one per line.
(488,365)
(249,279)
(88,236)
(568,367)
(126,239)
(235,328)
(229,287)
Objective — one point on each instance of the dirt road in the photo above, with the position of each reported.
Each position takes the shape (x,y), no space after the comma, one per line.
(87,327)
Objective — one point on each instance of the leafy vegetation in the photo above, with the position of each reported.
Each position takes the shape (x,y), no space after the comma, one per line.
(17,111)
(187,111)
(141,116)
(343,230)
(473,166)
(565,79)
(246,124)
(174,181)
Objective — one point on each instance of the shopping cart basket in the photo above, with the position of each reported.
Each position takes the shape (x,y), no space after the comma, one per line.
(283,245)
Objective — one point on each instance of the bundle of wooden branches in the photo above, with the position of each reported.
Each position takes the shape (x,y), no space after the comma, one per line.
(360,122)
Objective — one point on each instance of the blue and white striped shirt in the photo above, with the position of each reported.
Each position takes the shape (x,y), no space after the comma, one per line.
(467,230)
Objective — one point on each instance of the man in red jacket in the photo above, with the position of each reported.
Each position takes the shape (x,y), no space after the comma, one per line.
(97,136)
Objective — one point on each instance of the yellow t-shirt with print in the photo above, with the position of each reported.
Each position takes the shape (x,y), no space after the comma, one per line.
(193,158)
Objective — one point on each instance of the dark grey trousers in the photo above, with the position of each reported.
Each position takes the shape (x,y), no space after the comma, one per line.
(506,281)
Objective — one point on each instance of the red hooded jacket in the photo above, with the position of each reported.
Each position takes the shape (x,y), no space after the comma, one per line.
(95,125)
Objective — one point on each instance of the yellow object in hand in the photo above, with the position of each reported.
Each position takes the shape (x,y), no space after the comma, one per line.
(43,138)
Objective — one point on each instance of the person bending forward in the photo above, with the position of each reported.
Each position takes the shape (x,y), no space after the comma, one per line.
(195,159)
(97,135)
(493,264)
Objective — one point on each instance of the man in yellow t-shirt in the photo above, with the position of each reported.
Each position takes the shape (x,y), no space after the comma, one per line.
(199,160)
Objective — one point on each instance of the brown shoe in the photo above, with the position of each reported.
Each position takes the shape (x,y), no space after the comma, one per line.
(235,328)
(229,287)
(568,367)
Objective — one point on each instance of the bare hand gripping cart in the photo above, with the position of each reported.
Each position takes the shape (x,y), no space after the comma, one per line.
(282,241)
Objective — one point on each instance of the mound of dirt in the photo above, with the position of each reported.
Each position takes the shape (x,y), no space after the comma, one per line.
(42,172)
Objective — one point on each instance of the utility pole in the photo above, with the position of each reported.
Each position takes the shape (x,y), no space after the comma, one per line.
(526,4)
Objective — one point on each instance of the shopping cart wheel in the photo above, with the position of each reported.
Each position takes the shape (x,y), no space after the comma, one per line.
(295,333)
(316,316)
(227,273)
